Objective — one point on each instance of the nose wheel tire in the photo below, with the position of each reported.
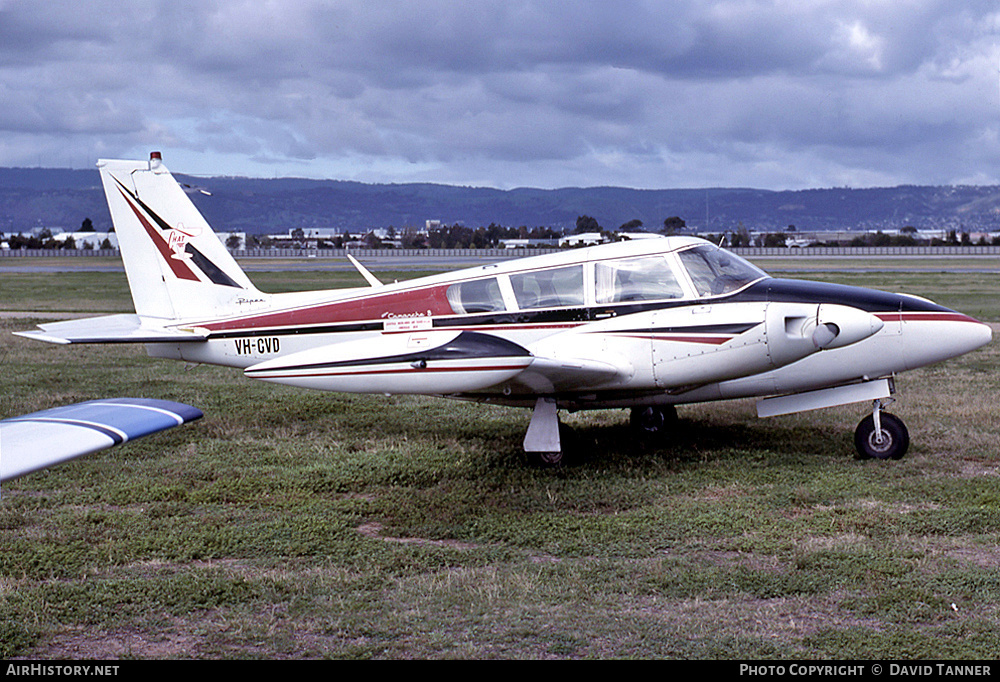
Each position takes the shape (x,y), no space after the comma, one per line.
(890,442)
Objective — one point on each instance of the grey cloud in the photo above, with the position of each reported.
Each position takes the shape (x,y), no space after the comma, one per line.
(511,93)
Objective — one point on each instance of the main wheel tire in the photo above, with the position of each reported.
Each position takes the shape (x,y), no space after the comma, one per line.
(895,439)
(652,420)
(550,460)
(546,460)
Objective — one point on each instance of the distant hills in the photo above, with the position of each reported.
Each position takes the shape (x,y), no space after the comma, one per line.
(62,198)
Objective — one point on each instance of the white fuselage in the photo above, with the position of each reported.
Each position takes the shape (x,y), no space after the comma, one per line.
(624,324)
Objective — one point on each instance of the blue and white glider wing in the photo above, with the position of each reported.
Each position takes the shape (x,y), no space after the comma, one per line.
(41,439)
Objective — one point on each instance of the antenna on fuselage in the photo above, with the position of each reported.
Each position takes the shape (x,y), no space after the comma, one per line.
(371,279)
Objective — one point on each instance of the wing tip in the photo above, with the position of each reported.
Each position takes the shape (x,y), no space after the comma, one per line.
(83,428)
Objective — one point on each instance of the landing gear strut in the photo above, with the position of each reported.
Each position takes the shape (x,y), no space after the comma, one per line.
(881,435)
(542,442)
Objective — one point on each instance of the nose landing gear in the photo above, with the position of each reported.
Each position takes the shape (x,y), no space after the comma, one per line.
(881,435)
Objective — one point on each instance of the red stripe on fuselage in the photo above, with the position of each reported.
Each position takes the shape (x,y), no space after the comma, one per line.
(413,304)
(926,317)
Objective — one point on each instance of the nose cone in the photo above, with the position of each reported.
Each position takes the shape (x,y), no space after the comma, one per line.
(970,334)
(934,336)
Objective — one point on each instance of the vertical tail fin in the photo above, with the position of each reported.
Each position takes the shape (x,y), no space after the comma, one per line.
(176,266)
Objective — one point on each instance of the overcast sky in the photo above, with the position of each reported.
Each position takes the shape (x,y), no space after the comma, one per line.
(775,94)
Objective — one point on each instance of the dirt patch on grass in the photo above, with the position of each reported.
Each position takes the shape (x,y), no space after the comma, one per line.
(779,619)
(374,530)
(80,644)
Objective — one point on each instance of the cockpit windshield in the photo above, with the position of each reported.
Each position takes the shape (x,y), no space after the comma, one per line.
(715,272)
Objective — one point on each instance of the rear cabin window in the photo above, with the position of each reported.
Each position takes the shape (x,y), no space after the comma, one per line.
(477,296)
(635,279)
(554,288)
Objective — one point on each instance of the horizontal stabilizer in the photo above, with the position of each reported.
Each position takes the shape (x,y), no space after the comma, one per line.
(41,439)
(113,329)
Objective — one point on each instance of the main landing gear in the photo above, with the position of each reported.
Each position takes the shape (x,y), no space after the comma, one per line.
(881,435)
(543,441)
(546,440)
(653,420)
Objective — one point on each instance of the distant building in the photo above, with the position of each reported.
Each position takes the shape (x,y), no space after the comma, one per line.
(583,239)
(628,236)
(530,243)
(81,240)
(300,238)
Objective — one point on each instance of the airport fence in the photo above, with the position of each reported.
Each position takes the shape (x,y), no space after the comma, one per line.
(56,253)
(969,250)
(811,251)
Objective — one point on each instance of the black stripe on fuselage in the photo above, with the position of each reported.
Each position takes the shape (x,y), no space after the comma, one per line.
(766,290)
(465,346)
(734,329)
(806,291)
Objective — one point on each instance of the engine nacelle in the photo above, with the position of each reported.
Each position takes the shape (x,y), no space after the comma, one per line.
(431,362)
(795,330)
(749,338)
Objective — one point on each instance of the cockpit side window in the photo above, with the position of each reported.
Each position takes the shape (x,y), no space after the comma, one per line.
(715,272)
(635,279)
(477,296)
(552,288)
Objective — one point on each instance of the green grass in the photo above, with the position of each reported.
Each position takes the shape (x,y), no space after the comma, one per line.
(295,524)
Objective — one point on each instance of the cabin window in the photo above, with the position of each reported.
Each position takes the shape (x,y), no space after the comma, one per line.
(477,296)
(715,272)
(553,288)
(635,279)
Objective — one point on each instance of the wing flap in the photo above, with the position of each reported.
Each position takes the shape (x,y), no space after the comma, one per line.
(42,439)
(554,375)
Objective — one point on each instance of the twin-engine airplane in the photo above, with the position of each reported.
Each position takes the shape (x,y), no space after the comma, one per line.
(645,325)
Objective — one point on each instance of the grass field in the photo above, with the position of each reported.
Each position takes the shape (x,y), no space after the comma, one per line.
(294,524)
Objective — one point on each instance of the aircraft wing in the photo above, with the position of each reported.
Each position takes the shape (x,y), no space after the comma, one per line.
(42,439)
(125,328)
